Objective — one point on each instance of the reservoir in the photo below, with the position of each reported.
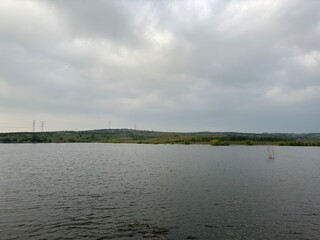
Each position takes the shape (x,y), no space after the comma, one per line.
(97,191)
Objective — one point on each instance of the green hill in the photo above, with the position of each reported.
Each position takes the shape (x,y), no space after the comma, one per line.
(154,137)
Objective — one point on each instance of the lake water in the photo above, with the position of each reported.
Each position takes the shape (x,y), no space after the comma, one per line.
(94,191)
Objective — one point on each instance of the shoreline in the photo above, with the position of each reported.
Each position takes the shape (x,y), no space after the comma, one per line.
(152,137)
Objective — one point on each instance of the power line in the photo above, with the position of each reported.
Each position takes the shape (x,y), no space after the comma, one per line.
(42,126)
(34,126)
(14,124)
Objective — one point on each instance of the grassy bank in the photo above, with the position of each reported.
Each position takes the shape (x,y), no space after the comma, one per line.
(152,137)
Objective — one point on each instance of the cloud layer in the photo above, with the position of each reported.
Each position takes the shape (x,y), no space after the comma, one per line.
(236,65)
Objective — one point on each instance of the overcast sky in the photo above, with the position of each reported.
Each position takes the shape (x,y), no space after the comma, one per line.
(220,65)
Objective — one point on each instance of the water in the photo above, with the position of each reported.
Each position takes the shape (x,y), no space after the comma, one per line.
(92,191)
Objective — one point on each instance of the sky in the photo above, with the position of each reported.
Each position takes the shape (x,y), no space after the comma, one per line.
(202,65)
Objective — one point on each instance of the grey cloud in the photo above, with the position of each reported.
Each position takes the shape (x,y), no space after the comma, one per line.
(167,65)
(113,20)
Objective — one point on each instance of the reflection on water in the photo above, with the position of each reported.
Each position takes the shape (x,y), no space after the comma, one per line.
(93,191)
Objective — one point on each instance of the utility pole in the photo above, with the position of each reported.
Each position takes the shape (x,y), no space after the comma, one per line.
(42,126)
(34,126)
(135,126)
(109,124)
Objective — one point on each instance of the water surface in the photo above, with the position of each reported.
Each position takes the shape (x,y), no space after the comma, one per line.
(92,191)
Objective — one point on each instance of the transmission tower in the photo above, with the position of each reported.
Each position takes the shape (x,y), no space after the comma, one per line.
(42,126)
(34,126)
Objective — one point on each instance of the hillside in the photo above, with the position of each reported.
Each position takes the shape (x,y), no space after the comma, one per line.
(153,137)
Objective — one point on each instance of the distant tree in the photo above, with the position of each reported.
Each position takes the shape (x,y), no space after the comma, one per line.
(6,140)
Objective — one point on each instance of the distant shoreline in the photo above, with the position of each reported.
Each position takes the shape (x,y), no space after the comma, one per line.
(153,137)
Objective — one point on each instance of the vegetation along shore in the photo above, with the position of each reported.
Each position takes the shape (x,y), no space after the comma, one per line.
(154,137)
